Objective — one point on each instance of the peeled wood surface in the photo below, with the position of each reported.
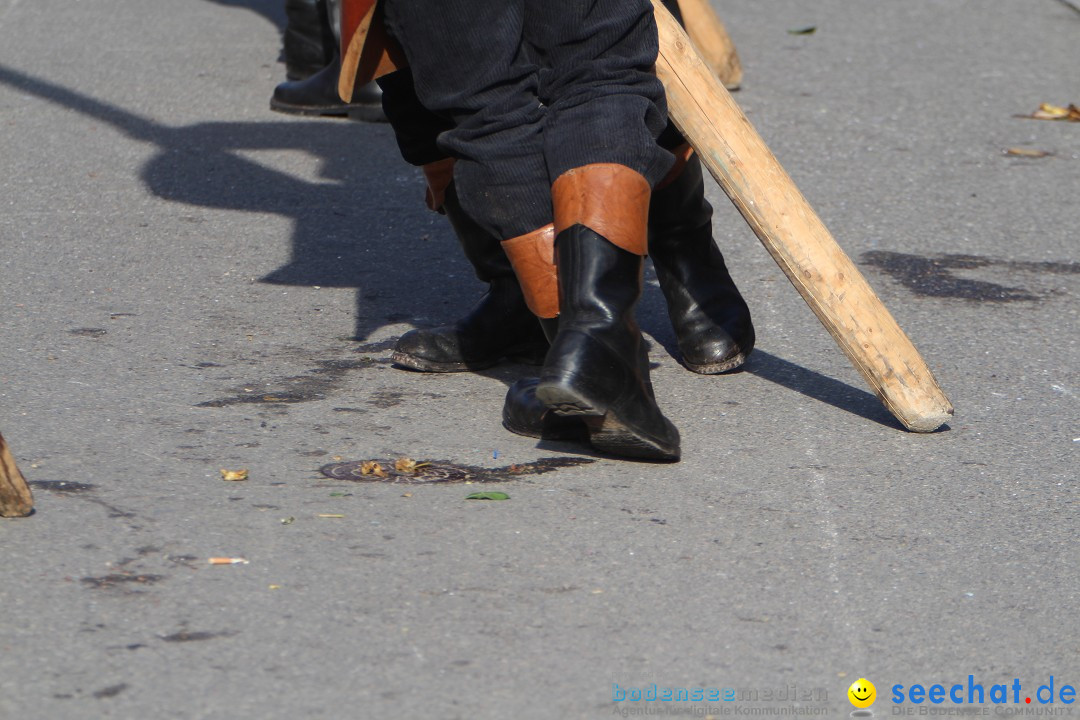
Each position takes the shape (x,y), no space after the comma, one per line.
(793,234)
(15,497)
(712,41)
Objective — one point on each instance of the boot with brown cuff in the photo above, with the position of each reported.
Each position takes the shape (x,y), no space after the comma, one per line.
(598,366)
(500,327)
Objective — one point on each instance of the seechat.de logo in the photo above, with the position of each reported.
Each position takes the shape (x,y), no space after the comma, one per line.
(862,693)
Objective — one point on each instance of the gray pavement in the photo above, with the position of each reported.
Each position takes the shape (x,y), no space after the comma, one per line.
(189,282)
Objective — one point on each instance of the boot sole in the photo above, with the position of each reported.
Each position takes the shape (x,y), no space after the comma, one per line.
(717,368)
(607,432)
(363,113)
(419,364)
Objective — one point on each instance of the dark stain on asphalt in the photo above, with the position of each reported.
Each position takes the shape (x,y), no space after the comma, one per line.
(61,486)
(441,471)
(315,384)
(194,636)
(80,490)
(111,691)
(935,276)
(121,579)
(385,399)
(88,332)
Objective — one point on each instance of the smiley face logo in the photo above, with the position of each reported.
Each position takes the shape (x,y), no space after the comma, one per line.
(862,693)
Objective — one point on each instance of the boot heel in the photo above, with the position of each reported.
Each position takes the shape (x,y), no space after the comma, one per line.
(592,373)
(564,400)
(627,429)
(611,436)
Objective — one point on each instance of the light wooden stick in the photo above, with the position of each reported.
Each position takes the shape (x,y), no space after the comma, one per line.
(15,497)
(793,234)
(712,41)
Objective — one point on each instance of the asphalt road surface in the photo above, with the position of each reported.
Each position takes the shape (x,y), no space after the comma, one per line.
(190,283)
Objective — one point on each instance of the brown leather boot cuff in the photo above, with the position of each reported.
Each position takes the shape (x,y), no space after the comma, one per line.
(607,198)
(533,258)
(439,175)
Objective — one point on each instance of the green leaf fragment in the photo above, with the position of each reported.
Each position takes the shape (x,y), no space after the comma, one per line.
(803,31)
(488,496)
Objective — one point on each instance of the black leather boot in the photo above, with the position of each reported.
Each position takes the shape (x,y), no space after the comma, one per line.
(711,319)
(308,41)
(500,326)
(598,367)
(524,414)
(318,95)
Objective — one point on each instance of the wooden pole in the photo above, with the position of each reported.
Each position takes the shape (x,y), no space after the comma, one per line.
(793,234)
(712,41)
(15,497)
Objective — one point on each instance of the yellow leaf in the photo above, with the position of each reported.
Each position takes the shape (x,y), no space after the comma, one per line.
(408,465)
(1047,111)
(234,475)
(372,468)
(1053,110)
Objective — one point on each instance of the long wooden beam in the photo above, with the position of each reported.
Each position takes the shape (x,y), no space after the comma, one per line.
(793,234)
(712,41)
(15,497)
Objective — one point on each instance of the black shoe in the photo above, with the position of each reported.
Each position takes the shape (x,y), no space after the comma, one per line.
(500,327)
(710,318)
(597,367)
(318,96)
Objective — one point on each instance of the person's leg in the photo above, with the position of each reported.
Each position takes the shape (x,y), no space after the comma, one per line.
(711,320)
(506,160)
(605,111)
(501,325)
(313,38)
(469,67)
(307,41)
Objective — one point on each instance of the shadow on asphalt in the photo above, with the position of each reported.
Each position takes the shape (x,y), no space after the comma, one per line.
(272,11)
(353,226)
(820,387)
(204,165)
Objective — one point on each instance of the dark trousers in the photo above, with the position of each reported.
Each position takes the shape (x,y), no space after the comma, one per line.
(530,89)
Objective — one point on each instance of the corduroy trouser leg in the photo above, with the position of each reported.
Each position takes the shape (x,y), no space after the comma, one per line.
(534,88)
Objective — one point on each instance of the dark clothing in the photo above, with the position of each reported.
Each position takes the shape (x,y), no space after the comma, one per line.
(417,129)
(531,89)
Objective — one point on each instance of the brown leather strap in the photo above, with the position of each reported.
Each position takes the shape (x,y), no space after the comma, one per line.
(367,50)
(607,198)
(533,259)
(682,154)
(439,175)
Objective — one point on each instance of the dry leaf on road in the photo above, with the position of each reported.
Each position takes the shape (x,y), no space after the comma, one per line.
(1027,152)
(1047,111)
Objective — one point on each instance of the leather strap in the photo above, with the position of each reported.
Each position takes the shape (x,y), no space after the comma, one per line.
(682,154)
(609,199)
(439,175)
(367,50)
(533,259)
